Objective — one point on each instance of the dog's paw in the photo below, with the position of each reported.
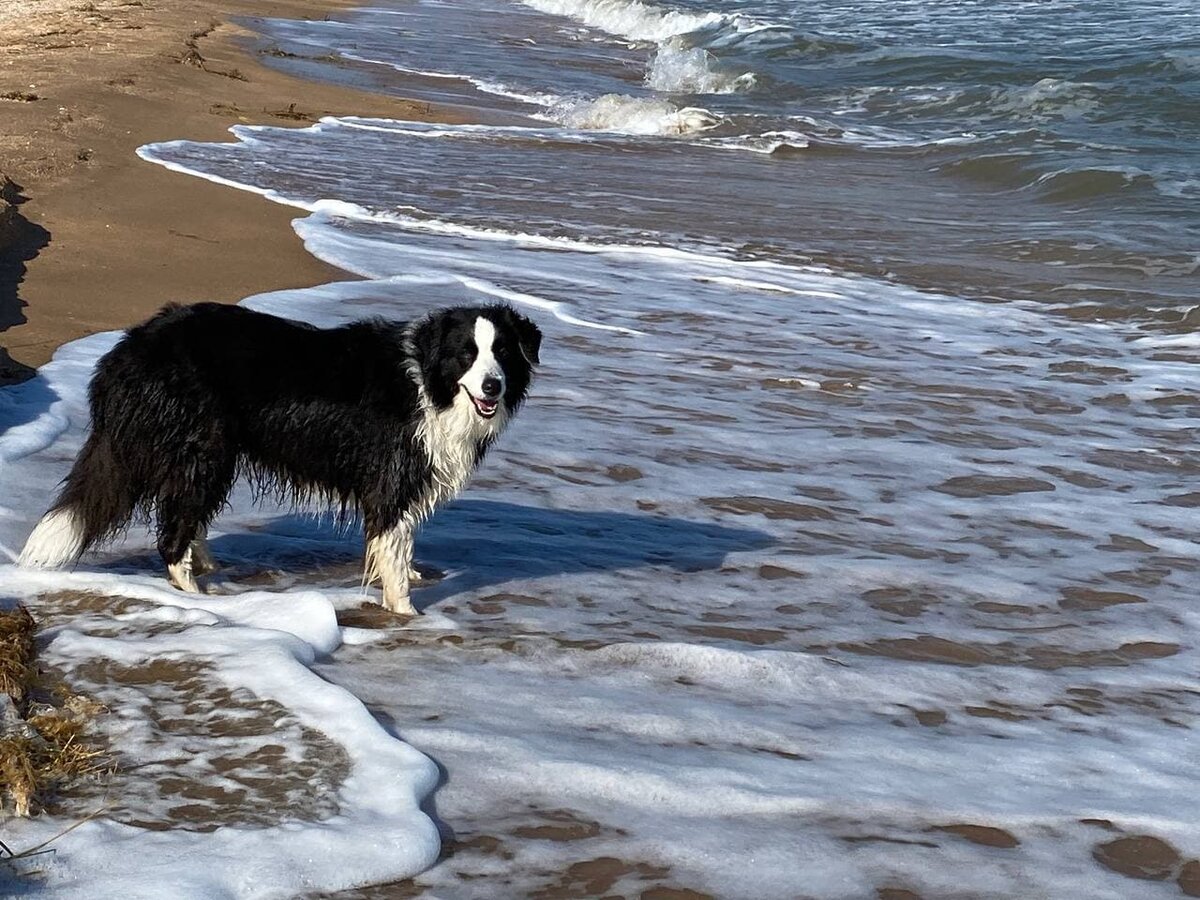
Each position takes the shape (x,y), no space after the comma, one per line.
(400,605)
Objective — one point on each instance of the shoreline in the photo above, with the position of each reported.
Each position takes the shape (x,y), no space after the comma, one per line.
(98,238)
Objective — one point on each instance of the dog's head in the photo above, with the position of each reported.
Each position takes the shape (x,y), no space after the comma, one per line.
(481,355)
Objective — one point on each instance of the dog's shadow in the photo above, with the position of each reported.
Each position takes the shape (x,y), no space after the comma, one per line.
(22,403)
(486,542)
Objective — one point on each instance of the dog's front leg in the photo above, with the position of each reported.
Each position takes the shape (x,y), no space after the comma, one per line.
(389,559)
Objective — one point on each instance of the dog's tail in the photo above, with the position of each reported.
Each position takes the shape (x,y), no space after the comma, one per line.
(96,502)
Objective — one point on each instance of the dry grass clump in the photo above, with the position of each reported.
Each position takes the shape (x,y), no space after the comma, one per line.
(16,653)
(48,753)
(40,742)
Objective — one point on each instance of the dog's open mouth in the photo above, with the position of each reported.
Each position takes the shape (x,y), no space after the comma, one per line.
(485,408)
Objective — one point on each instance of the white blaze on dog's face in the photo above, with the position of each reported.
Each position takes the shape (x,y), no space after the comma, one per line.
(484,380)
(478,361)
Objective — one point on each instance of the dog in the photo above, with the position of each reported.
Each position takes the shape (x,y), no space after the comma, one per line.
(381,419)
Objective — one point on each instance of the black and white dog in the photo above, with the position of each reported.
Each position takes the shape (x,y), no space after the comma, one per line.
(387,419)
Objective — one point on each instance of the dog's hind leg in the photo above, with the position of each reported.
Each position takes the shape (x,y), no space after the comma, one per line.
(177,527)
(182,575)
(202,559)
(196,494)
(389,561)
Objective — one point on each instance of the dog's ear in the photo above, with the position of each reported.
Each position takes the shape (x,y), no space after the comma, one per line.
(428,336)
(529,336)
(427,340)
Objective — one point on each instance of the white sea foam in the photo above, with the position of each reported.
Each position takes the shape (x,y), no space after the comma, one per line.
(677,69)
(767,143)
(629,18)
(632,115)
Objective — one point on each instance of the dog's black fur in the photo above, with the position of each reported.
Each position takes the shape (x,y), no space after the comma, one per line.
(196,396)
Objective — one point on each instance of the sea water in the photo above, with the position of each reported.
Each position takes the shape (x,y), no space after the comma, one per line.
(848,542)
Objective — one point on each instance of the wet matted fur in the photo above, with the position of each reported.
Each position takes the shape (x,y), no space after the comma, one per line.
(381,418)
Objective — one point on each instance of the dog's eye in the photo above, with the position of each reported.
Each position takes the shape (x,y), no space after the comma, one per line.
(500,351)
(466,357)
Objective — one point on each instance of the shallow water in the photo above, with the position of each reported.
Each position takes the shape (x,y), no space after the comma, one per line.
(797,576)
(1041,150)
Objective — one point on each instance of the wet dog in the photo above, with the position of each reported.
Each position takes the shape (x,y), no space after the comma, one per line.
(378,418)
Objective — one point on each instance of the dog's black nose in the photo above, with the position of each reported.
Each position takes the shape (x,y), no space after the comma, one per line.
(491,387)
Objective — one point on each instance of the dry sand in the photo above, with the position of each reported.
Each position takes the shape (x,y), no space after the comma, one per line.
(98,239)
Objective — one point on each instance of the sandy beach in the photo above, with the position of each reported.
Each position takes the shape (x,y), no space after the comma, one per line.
(98,239)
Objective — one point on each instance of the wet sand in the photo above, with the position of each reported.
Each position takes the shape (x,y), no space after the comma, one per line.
(91,237)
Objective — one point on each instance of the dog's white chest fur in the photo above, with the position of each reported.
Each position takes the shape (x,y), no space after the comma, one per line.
(452,437)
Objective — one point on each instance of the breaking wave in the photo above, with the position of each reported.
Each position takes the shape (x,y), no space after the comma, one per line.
(631,115)
(629,18)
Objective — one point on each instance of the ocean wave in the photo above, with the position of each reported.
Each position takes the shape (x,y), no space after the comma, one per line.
(631,115)
(1025,171)
(678,66)
(1180,187)
(1046,99)
(677,69)
(803,44)
(1003,170)
(630,19)
(1053,97)
(483,85)
(1069,185)
(1183,61)
(768,143)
